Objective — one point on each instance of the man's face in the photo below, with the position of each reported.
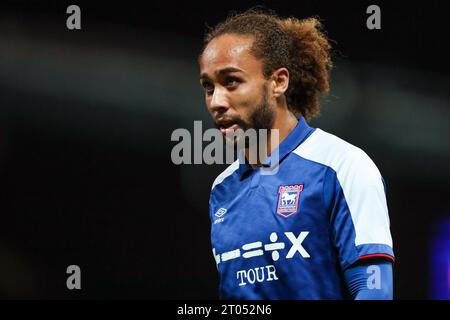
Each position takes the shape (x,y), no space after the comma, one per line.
(236,91)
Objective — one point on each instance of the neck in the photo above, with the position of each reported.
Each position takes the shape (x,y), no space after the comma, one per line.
(285,121)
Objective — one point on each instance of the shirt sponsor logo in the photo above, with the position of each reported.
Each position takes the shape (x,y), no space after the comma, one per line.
(258,248)
(288,197)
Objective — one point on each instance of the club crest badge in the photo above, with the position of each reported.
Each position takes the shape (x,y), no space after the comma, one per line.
(288,197)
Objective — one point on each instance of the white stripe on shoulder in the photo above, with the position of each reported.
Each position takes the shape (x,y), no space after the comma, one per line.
(360,181)
(227,172)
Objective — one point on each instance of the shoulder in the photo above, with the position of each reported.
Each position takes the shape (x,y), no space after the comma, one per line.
(225,174)
(341,156)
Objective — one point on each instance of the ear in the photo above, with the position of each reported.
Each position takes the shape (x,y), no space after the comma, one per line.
(280,81)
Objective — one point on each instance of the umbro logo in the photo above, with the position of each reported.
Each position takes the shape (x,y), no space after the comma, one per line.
(219,213)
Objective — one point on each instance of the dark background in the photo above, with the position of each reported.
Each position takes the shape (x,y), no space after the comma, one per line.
(86,117)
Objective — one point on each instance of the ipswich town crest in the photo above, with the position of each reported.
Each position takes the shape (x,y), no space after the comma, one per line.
(288,197)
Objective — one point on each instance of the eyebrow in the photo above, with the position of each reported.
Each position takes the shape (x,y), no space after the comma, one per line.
(222,72)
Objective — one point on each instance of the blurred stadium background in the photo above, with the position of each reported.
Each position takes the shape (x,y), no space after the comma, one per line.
(86,118)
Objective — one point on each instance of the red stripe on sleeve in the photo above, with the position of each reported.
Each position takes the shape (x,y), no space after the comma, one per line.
(378,255)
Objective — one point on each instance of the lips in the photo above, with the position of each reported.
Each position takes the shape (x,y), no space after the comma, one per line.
(229,129)
(226,126)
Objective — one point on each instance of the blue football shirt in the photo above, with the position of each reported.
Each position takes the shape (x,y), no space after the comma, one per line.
(291,234)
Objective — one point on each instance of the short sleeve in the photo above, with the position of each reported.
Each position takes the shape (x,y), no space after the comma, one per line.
(359,213)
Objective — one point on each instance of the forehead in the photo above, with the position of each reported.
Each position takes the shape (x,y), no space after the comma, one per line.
(229,50)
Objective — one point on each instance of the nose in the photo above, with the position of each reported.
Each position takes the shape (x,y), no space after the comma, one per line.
(219,102)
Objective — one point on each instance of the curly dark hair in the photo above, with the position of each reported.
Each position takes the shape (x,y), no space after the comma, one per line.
(298,45)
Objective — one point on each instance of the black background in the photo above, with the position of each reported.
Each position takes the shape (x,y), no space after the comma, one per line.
(98,198)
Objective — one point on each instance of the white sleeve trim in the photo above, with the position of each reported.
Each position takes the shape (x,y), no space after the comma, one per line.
(360,181)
